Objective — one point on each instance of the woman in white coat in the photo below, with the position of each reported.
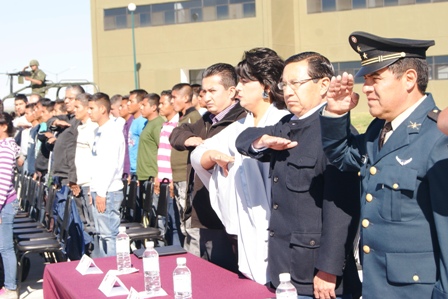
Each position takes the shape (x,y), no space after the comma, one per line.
(240,189)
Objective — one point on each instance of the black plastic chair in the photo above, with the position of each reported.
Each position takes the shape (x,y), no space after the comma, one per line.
(153,232)
(53,247)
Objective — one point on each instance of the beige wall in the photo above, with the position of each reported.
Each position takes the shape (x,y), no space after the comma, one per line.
(283,25)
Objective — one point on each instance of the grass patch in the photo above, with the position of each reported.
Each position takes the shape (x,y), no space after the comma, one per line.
(361,120)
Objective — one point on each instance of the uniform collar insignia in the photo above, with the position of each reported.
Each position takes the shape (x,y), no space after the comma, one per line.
(414,125)
(403,162)
(358,48)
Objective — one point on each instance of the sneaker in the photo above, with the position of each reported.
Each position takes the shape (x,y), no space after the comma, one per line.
(8,294)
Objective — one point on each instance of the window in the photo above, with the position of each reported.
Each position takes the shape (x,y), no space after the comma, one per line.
(195,76)
(318,6)
(181,12)
(328,5)
(248,10)
(222,12)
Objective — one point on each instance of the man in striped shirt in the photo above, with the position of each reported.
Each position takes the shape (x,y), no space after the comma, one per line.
(166,109)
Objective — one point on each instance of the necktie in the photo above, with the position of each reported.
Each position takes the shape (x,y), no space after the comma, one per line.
(386,129)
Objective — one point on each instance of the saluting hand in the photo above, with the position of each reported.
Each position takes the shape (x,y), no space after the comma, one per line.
(273,142)
(340,95)
(193,141)
(223,161)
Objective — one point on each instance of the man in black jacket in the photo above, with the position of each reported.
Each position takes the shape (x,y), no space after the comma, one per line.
(207,231)
(314,206)
(67,133)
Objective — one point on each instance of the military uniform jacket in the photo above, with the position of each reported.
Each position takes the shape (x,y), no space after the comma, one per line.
(313,218)
(404,202)
(38,88)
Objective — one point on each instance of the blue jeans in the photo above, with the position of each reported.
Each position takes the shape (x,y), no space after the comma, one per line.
(6,244)
(107,223)
(172,234)
(348,296)
(88,210)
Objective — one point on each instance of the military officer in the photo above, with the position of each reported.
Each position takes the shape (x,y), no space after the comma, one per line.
(402,161)
(37,78)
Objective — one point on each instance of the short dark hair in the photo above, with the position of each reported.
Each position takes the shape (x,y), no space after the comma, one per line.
(6,119)
(185,89)
(418,64)
(46,103)
(84,98)
(318,65)
(21,97)
(266,67)
(139,94)
(166,92)
(153,98)
(196,89)
(62,103)
(102,99)
(30,106)
(225,71)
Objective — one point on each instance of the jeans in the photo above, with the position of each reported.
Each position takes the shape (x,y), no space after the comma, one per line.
(6,244)
(89,226)
(107,223)
(172,233)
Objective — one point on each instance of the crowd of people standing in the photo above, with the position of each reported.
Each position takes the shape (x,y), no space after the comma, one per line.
(264,167)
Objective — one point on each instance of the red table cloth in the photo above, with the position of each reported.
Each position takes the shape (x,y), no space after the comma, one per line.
(61,280)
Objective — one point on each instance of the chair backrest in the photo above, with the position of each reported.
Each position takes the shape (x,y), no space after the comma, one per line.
(31,199)
(49,200)
(124,180)
(131,206)
(162,206)
(61,223)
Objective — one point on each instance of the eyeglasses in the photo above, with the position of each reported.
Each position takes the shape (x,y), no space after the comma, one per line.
(294,84)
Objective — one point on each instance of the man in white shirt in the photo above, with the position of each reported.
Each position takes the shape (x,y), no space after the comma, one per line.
(83,157)
(107,168)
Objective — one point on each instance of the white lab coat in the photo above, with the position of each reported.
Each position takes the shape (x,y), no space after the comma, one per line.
(242,200)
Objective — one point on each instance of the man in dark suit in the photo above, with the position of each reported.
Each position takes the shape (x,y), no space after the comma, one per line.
(314,218)
(206,235)
(402,160)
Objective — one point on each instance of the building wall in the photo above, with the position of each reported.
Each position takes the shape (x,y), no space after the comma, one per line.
(283,25)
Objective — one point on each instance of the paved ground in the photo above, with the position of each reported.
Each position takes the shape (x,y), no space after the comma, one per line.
(32,287)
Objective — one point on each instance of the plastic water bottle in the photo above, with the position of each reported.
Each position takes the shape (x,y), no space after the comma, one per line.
(182,280)
(285,289)
(151,268)
(122,248)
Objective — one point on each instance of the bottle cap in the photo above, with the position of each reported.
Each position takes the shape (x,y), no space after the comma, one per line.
(181,260)
(121,229)
(149,244)
(284,277)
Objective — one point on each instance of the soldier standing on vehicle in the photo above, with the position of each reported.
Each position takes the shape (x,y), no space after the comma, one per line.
(37,78)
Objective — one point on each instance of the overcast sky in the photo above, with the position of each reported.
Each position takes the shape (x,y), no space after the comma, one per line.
(57,33)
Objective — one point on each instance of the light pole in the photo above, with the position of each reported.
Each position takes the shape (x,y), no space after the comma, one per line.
(131,8)
(57,74)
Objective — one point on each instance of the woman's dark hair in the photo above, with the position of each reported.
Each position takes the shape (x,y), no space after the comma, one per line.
(6,119)
(265,66)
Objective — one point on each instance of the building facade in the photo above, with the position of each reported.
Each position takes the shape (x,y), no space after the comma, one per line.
(176,40)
